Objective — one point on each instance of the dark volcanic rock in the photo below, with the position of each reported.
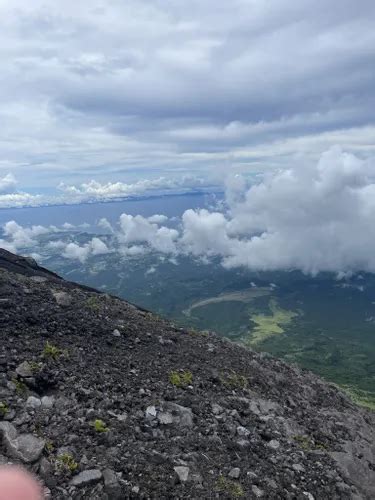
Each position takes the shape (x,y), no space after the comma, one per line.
(154,411)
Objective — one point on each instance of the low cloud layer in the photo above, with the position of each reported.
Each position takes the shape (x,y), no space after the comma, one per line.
(74,251)
(319,218)
(315,219)
(94,191)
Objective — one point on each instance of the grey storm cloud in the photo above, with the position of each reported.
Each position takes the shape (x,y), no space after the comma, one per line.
(109,90)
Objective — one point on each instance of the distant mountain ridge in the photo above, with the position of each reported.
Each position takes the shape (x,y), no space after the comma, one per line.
(104,400)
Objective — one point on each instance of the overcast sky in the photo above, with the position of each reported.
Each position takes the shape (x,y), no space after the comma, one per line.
(120,90)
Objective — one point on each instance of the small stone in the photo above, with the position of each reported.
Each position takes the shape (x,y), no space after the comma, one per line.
(274,444)
(242,431)
(33,402)
(182,473)
(257,491)
(243,443)
(234,473)
(116,333)
(271,483)
(87,477)
(111,485)
(298,468)
(308,495)
(151,412)
(217,409)
(24,370)
(165,418)
(25,447)
(48,402)
(46,472)
(181,416)
(135,489)
(63,299)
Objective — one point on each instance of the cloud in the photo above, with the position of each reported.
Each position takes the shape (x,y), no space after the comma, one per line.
(313,219)
(8,184)
(316,218)
(158,219)
(21,237)
(94,191)
(73,251)
(105,224)
(138,229)
(18,200)
(167,87)
(98,247)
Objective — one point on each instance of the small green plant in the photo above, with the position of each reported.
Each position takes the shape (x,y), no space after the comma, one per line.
(3,409)
(51,351)
(308,444)
(49,447)
(229,488)
(21,388)
(93,303)
(100,426)
(67,462)
(181,378)
(234,380)
(35,367)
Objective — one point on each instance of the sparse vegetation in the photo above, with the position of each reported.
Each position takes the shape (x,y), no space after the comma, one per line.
(181,378)
(229,488)
(234,380)
(308,444)
(100,426)
(3,409)
(50,351)
(67,462)
(93,303)
(35,367)
(21,387)
(49,447)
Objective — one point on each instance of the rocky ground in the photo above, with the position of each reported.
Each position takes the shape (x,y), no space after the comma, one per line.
(106,401)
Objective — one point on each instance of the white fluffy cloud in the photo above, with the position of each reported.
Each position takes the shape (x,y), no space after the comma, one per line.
(96,246)
(8,184)
(22,237)
(158,219)
(138,229)
(315,219)
(94,191)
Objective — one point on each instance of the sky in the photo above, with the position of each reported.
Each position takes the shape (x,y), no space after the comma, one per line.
(270,102)
(104,99)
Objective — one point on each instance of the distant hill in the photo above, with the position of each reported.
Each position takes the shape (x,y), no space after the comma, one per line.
(104,400)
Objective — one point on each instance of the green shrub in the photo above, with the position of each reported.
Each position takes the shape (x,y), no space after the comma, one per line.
(93,303)
(308,444)
(100,426)
(67,462)
(234,380)
(3,409)
(49,446)
(35,367)
(181,378)
(51,351)
(21,388)
(230,489)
